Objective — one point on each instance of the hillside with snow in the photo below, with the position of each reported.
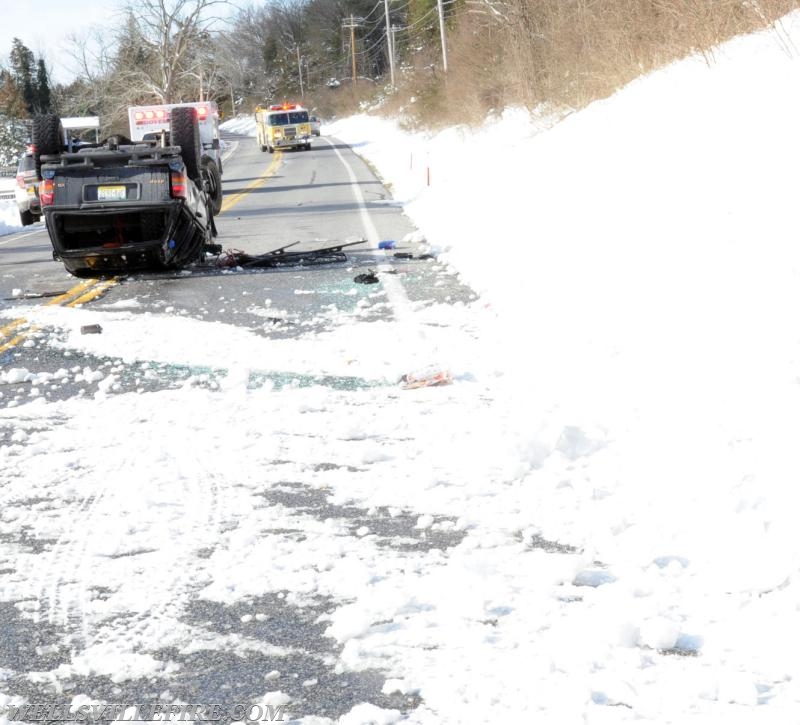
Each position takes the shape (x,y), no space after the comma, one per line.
(639,271)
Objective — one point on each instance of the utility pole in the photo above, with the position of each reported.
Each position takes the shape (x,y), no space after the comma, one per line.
(389,41)
(300,71)
(394,47)
(441,32)
(352,25)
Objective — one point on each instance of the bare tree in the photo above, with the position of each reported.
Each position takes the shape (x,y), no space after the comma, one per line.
(176,35)
(237,69)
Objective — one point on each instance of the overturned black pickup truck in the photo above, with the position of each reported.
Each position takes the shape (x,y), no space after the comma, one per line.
(119,206)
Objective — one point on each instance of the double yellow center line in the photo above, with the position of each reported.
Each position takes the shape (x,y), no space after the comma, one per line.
(231,201)
(15,331)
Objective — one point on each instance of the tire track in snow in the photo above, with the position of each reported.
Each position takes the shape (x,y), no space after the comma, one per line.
(50,579)
(159,545)
(166,603)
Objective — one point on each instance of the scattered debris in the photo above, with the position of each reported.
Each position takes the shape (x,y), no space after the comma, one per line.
(281,258)
(20,295)
(91,329)
(425,378)
(387,244)
(366,278)
(403,255)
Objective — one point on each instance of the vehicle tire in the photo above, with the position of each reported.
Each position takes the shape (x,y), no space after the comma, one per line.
(27,218)
(271,149)
(186,133)
(47,138)
(214,185)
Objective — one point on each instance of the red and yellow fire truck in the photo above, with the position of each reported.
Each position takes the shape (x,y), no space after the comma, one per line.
(284,125)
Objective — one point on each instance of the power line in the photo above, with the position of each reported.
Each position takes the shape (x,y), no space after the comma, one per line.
(369,14)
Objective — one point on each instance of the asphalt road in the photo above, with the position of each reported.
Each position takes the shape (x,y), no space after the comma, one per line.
(307,199)
(316,198)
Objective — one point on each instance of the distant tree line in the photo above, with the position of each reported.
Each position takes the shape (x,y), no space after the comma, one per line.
(332,55)
(164,51)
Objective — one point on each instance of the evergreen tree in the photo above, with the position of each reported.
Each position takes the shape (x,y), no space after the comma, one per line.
(43,98)
(23,69)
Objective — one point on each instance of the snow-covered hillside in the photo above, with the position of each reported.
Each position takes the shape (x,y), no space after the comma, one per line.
(639,267)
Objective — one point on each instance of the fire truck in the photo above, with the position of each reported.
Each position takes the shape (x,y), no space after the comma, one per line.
(284,125)
(148,123)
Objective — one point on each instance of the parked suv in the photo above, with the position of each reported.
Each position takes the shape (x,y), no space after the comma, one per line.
(27,190)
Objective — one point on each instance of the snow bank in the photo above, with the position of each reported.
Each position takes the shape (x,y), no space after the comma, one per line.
(9,217)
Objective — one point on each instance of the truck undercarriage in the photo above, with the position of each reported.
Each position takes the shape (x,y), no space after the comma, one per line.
(122,207)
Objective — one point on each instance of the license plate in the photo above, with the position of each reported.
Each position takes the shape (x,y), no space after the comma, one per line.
(110,193)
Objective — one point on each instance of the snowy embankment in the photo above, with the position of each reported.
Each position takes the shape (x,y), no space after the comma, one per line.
(641,265)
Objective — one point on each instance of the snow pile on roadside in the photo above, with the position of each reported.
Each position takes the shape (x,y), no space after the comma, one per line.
(642,264)
(244,125)
(9,217)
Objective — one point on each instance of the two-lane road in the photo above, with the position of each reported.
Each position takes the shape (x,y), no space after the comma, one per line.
(310,199)
(170,524)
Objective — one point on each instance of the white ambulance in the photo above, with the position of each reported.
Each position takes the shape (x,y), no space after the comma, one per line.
(148,122)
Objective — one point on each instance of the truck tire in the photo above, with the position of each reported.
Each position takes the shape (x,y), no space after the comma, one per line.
(213,184)
(47,138)
(186,133)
